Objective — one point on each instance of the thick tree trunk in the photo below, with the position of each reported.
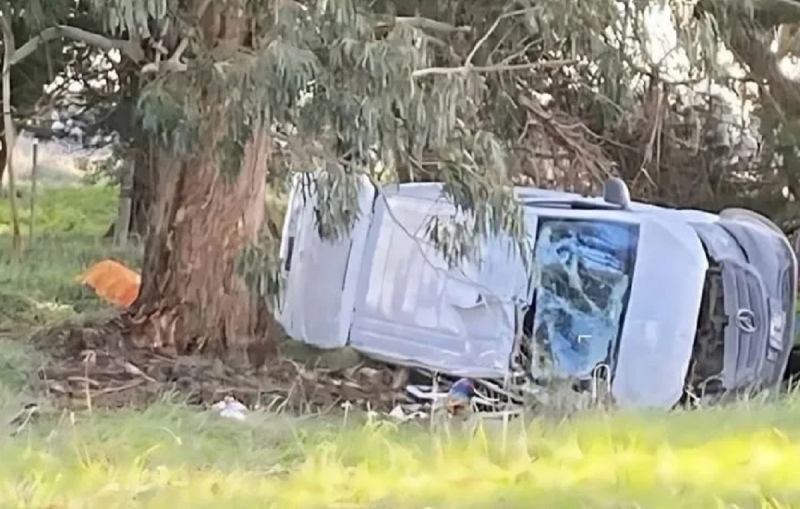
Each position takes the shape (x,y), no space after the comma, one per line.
(191,295)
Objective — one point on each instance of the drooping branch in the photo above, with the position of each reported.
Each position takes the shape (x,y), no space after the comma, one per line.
(8,46)
(424,24)
(544,64)
(127,47)
(749,34)
(749,39)
(767,13)
(749,49)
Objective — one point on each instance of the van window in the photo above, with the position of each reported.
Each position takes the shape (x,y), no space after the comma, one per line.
(585,272)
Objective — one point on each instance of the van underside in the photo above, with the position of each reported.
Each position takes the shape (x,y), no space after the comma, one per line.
(705,369)
(745,320)
(792,374)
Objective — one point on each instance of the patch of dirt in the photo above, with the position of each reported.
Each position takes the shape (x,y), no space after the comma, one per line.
(97,365)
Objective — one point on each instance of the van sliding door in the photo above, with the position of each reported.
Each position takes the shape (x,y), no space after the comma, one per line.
(320,275)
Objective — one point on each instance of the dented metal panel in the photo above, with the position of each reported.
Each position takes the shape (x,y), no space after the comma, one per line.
(413,309)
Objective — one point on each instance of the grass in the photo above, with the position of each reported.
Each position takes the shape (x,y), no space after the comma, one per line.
(69,224)
(173,456)
(170,456)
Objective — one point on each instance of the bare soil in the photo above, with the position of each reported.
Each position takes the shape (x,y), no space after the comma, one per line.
(98,365)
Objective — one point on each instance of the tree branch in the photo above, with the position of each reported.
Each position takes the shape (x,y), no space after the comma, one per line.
(174,63)
(465,69)
(126,47)
(491,30)
(763,67)
(767,13)
(8,128)
(423,23)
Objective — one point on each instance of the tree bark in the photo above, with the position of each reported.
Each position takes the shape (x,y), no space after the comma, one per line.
(192,296)
(144,180)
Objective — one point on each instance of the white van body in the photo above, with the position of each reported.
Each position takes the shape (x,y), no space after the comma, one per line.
(386,291)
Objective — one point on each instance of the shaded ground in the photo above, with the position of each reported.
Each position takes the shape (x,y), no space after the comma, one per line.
(86,361)
(90,364)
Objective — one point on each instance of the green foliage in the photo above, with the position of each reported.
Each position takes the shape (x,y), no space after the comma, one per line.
(30,75)
(171,117)
(344,92)
(345,87)
(130,16)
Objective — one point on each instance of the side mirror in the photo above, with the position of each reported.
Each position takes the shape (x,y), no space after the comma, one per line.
(615,191)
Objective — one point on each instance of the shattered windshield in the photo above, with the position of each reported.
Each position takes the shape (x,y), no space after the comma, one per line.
(586,269)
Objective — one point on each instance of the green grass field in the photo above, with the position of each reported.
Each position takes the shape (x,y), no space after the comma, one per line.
(174,456)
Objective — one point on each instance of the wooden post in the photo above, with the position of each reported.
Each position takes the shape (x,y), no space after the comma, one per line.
(123,225)
(33,191)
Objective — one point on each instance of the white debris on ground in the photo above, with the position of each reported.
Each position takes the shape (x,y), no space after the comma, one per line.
(230,408)
(405,413)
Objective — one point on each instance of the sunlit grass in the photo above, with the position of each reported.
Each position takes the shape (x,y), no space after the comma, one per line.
(85,210)
(68,237)
(170,456)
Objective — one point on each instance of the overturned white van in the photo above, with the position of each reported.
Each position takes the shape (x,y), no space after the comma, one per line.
(666,299)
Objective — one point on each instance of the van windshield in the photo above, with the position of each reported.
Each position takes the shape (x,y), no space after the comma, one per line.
(585,270)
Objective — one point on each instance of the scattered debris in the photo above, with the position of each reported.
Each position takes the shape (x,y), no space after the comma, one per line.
(405,413)
(230,408)
(113,281)
(20,421)
(459,397)
(97,366)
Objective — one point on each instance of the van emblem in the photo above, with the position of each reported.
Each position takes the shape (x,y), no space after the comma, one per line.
(746,320)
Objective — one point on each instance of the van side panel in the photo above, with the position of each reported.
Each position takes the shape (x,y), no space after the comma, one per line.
(413,309)
(320,276)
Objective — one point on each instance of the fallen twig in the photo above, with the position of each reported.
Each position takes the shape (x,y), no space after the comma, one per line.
(84,380)
(131,369)
(118,388)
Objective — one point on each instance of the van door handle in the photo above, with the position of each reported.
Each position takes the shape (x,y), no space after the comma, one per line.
(287,264)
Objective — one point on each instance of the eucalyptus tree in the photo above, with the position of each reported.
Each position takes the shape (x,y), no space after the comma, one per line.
(339,87)
(748,29)
(233,92)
